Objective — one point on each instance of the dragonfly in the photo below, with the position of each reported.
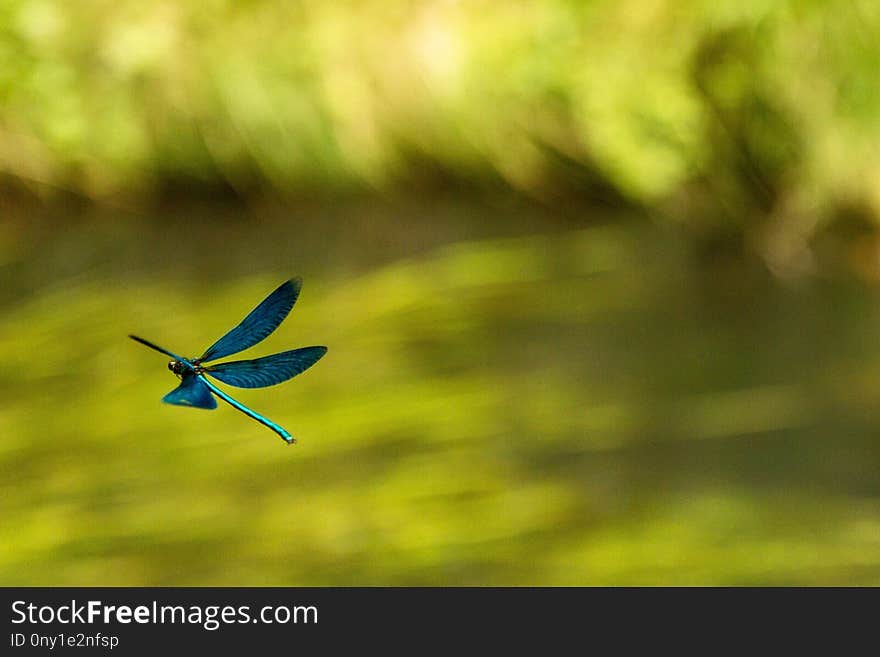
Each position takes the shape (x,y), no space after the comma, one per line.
(197,391)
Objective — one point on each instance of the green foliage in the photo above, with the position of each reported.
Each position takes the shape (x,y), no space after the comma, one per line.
(730,111)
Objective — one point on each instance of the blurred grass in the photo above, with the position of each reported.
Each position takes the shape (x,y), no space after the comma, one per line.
(756,117)
(555,406)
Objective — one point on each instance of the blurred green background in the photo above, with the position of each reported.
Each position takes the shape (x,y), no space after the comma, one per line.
(599,282)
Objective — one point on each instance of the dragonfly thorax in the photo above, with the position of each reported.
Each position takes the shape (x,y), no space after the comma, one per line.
(181,367)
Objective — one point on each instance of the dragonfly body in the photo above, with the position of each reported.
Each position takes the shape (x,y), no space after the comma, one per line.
(198,391)
(181,367)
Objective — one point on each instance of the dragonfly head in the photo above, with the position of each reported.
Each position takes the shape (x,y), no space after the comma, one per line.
(175,366)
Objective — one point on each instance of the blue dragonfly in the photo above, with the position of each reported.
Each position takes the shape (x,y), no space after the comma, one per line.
(195,389)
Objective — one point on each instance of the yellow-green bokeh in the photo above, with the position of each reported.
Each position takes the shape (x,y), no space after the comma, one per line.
(598,281)
(576,406)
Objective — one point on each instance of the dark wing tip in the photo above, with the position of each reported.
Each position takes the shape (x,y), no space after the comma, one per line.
(319,351)
(291,289)
(295,283)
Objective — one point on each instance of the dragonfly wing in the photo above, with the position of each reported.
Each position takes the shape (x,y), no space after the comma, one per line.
(259,323)
(156,347)
(192,391)
(267,371)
